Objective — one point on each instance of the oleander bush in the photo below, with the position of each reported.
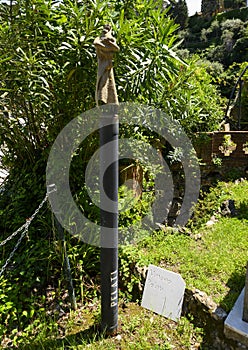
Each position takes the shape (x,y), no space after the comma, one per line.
(48,74)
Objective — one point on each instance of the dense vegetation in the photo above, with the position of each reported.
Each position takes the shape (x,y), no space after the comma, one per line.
(220,39)
(48,74)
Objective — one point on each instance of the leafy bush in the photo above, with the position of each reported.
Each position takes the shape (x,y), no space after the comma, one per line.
(48,72)
(222,36)
(48,56)
(193,99)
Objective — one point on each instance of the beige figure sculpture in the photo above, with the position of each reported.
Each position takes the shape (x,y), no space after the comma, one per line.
(105,48)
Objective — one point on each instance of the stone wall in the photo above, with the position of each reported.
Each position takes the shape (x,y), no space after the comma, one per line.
(207,315)
(222,153)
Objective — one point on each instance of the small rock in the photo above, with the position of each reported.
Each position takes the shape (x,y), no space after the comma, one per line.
(205,300)
(211,222)
(227,208)
(197,236)
(199,292)
(219,314)
(240,180)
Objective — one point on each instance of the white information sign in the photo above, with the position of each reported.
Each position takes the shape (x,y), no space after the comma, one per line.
(163,292)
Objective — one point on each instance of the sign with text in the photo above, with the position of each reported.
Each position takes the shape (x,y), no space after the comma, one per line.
(163,292)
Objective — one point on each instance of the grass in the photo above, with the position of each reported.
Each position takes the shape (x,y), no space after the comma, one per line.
(210,258)
(138,329)
(209,263)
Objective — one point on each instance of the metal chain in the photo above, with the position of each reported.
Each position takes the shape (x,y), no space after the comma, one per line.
(14,250)
(28,220)
(24,233)
(37,210)
(24,225)
(13,235)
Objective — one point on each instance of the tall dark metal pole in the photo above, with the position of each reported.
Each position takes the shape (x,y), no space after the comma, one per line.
(109,224)
(106,94)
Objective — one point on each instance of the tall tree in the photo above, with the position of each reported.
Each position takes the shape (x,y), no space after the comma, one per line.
(179,12)
(234,4)
(208,7)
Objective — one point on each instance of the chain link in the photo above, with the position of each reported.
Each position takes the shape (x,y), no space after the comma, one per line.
(24,227)
(13,235)
(37,210)
(14,250)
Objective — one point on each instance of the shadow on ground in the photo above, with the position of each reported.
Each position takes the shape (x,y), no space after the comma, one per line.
(84,337)
(242,212)
(213,328)
(236,283)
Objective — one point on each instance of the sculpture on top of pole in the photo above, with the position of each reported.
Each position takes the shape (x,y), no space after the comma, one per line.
(105,48)
(109,128)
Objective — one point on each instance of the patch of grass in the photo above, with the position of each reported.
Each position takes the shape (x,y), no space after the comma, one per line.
(210,258)
(139,329)
(213,258)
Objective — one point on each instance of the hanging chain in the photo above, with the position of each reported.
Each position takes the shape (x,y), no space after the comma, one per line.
(14,250)
(24,227)
(29,220)
(13,235)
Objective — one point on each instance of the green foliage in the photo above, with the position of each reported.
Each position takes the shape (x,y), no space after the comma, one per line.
(233,4)
(48,68)
(139,329)
(194,99)
(129,277)
(208,7)
(132,209)
(214,68)
(210,203)
(222,37)
(21,294)
(228,79)
(225,41)
(48,57)
(147,54)
(211,258)
(48,73)
(39,77)
(179,11)
(241,13)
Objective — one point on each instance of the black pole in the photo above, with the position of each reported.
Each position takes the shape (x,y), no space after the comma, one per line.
(109,222)
(106,94)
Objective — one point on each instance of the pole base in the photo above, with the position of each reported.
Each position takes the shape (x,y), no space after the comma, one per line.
(109,332)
